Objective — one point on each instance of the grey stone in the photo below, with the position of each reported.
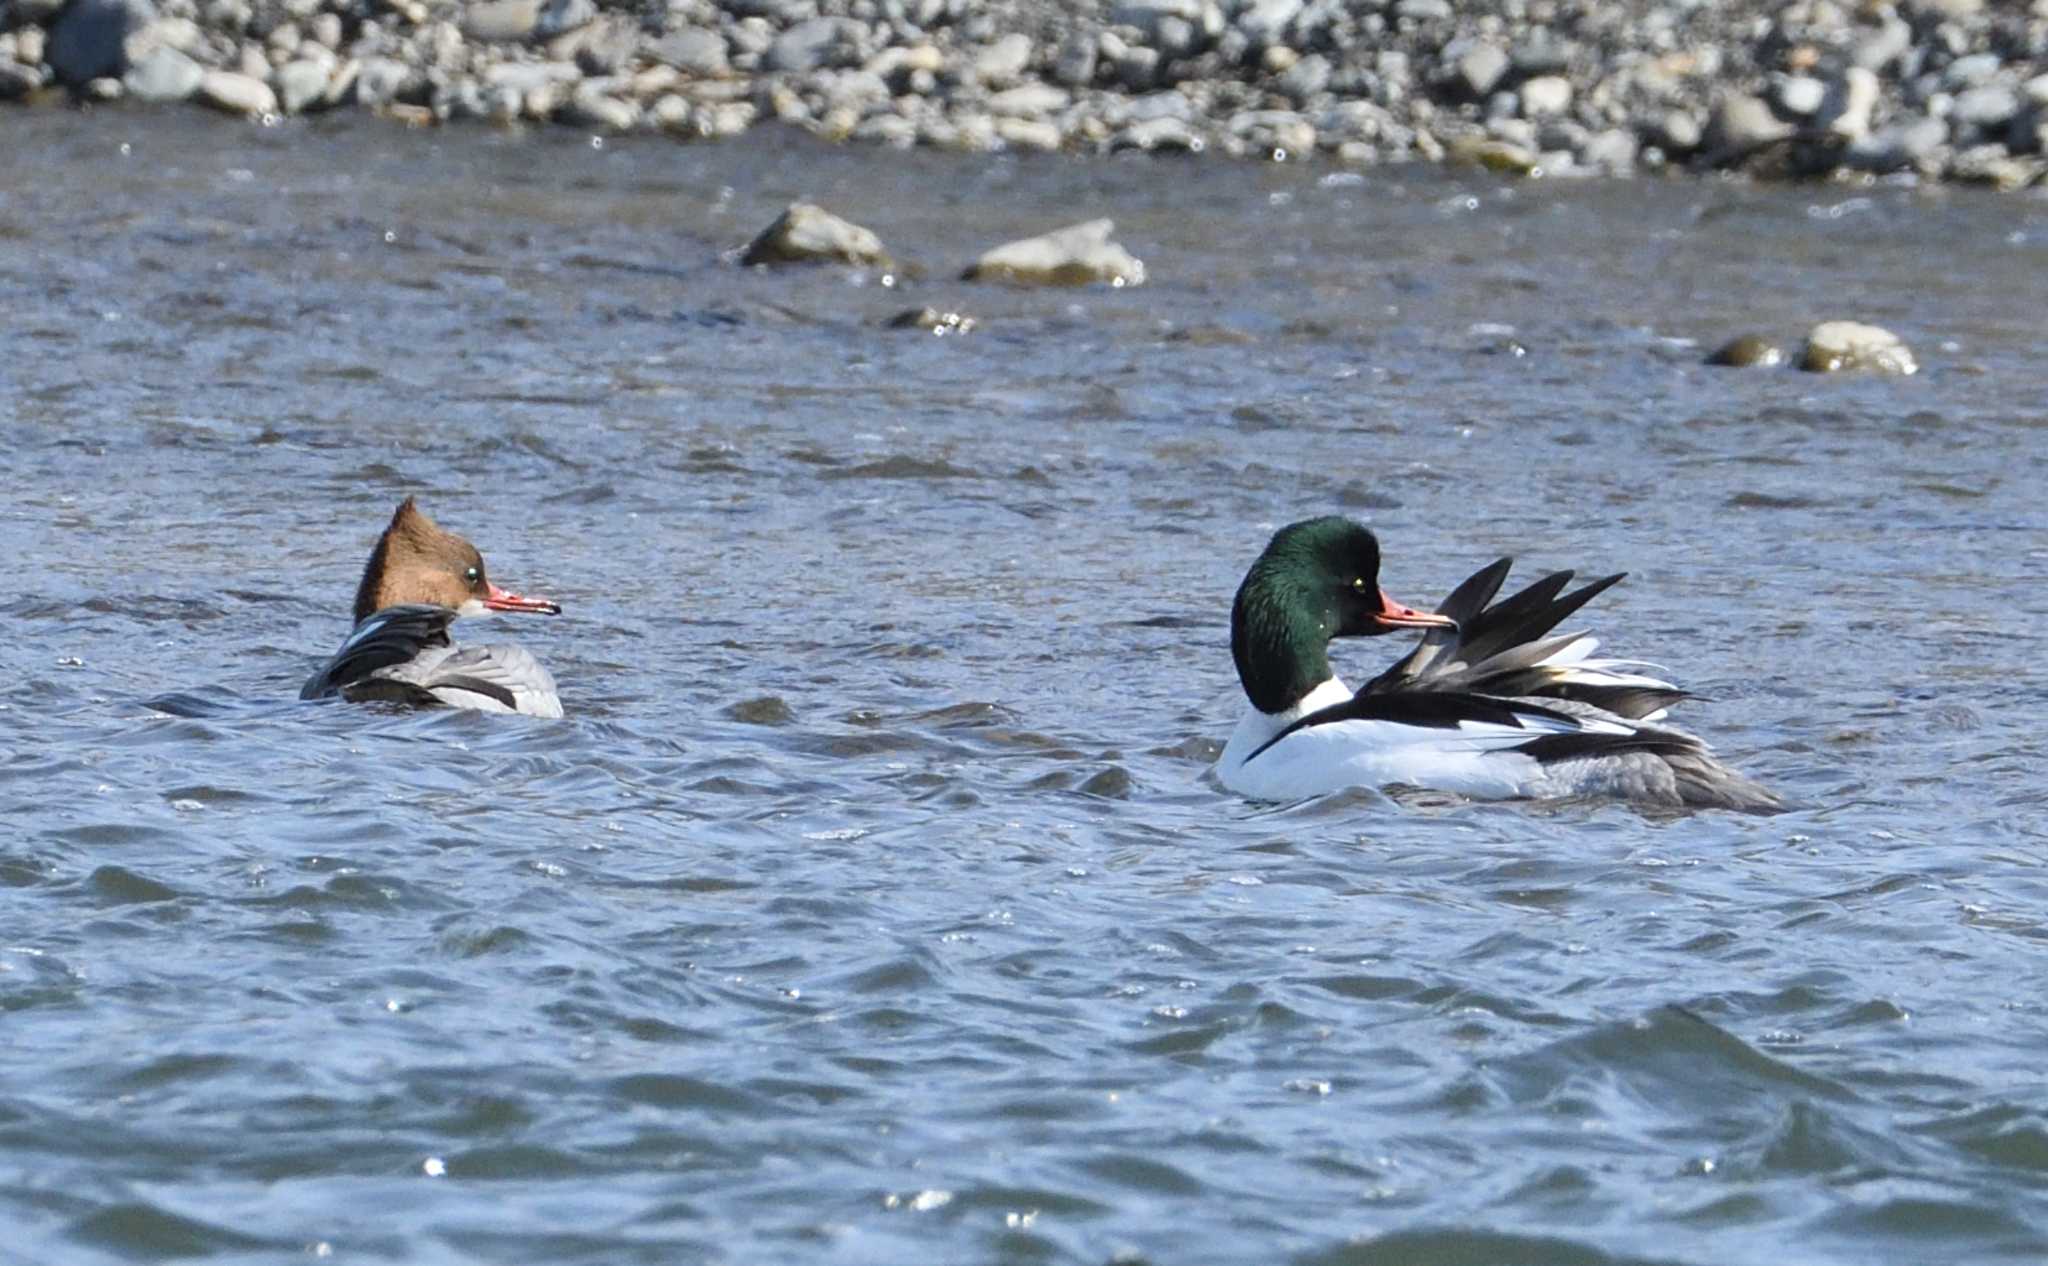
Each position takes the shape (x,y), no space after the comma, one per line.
(236,94)
(749,37)
(1518,132)
(1494,155)
(1740,125)
(892,130)
(812,45)
(501,19)
(1800,96)
(17,80)
(1001,63)
(1970,72)
(1038,134)
(1832,346)
(726,119)
(1158,134)
(1174,38)
(1309,76)
(1566,135)
(1176,28)
(1029,101)
(1541,53)
(1075,66)
(1265,22)
(1479,71)
(558,17)
(302,85)
(1907,143)
(692,50)
(1354,120)
(1992,165)
(783,11)
(808,234)
(1423,10)
(1546,95)
(1162,105)
(1138,69)
(855,90)
(384,81)
(1078,255)
(231,17)
(1613,151)
(672,113)
(525,78)
(1878,49)
(594,104)
(163,75)
(605,47)
(1282,133)
(2029,131)
(341,85)
(1989,108)
(88,39)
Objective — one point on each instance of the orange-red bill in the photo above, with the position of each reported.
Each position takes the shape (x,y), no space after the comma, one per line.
(505,600)
(1393,615)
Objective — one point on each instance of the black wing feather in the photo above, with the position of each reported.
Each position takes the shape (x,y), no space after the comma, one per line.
(1435,710)
(393,636)
(475,685)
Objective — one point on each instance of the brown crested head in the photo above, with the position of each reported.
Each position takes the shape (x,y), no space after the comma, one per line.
(417,560)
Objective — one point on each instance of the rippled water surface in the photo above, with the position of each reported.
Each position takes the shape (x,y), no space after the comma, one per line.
(875,903)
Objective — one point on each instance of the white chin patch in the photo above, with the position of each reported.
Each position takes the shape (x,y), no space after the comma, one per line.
(473,607)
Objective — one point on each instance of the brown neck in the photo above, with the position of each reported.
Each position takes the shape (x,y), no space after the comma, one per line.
(373,575)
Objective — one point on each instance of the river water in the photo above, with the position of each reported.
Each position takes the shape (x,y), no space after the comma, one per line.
(875,903)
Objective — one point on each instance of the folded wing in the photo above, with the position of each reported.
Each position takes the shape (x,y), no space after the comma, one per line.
(1507,650)
(386,639)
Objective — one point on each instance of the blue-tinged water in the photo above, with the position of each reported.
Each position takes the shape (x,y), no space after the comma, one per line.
(875,903)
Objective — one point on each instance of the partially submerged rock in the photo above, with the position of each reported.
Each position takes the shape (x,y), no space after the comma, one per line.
(1078,255)
(1747,351)
(1493,155)
(929,318)
(808,234)
(1832,346)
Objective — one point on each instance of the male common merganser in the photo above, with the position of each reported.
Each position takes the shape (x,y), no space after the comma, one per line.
(420,577)
(1486,706)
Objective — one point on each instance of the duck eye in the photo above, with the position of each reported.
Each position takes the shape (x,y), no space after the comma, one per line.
(1358,585)
(473,575)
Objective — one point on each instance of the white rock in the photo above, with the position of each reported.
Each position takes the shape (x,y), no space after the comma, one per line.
(237,94)
(1838,345)
(805,233)
(1546,95)
(1029,101)
(302,83)
(1029,133)
(165,74)
(1847,113)
(1073,256)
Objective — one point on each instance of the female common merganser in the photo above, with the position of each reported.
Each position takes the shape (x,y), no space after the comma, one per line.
(419,579)
(1487,706)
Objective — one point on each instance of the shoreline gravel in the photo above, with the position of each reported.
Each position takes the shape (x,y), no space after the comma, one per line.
(1951,90)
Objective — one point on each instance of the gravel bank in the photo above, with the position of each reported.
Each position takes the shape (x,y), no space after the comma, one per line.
(1943,89)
